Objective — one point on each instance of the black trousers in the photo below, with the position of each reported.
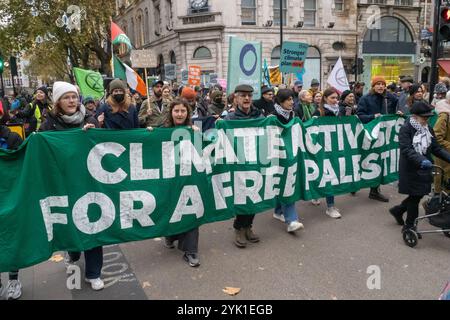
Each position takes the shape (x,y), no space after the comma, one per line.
(243,221)
(411,206)
(187,241)
(93,259)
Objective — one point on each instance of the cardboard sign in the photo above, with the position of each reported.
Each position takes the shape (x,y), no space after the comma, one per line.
(170,71)
(143,59)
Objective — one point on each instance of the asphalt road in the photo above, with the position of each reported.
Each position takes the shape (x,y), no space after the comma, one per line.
(329,259)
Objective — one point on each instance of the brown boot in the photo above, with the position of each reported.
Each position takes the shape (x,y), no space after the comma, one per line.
(250,235)
(239,240)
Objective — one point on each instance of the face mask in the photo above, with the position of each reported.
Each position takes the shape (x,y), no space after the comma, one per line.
(119,98)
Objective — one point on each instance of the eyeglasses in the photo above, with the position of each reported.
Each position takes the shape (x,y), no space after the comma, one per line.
(243,95)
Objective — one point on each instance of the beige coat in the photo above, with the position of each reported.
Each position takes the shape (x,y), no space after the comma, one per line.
(442,131)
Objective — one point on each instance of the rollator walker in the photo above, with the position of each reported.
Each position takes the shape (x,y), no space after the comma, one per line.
(437,211)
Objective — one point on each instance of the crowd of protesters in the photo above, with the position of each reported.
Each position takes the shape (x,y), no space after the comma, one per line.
(64,108)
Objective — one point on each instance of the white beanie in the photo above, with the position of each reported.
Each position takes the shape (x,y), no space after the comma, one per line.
(60,88)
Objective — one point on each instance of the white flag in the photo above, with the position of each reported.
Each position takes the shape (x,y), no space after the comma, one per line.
(338,78)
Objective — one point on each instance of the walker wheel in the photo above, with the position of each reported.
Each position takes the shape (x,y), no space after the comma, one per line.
(447,234)
(410,237)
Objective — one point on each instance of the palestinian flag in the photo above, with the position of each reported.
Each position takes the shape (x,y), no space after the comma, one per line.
(125,73)
(118,36)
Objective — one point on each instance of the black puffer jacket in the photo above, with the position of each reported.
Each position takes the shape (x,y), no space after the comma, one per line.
(55,123)
(412,179)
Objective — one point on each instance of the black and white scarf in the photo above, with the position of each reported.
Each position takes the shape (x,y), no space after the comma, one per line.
(283,112)
(422,138)
(332,108)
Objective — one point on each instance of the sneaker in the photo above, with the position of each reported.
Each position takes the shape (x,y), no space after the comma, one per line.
(96,284)
(279,217)
(13,290)
(169,243)
(315,202)
(333,213)
(192,259)
(294,226)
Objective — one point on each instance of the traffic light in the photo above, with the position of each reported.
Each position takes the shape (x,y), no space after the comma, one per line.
(444,23)
(360,66)
(2,65)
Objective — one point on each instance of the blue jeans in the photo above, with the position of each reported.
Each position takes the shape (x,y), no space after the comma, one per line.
(330,201)
(288,211)
(94,261)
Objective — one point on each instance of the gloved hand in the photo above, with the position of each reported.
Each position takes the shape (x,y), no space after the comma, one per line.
(426,164)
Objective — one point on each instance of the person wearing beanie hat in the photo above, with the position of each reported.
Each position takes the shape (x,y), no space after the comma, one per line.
(40,106)
(68,113)
(372,105)
(217,106)
(347,105)
(315,84)
(417,145)
(266,104)
(118,112)
(89,104)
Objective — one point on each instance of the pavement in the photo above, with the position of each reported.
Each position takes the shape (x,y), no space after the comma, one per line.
(361,256)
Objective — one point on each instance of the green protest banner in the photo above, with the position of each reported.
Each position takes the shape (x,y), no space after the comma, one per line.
(244,65)
(90,83)
(100,187)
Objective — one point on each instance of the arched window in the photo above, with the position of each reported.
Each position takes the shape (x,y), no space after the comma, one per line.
(275,56)
(202,53)
(312,67)
(173,58)
(160,68)
(392,30)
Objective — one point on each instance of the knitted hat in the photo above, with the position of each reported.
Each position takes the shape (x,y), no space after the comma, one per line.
(43,89)
(60,88)
(345,94)
(215,94)
(265,89)
(117,84)
(377,79)
(188,93)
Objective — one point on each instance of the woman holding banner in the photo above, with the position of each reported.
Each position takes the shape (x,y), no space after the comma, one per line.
(284,104)
(68,113)
(180,115)
(329,107)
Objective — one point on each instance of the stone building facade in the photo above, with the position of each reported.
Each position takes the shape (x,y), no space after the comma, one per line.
(196,32)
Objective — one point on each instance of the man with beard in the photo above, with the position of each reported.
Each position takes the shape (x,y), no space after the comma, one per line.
(153,111)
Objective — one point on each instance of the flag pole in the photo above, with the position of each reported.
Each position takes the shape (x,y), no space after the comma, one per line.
(146,83)
(112,50)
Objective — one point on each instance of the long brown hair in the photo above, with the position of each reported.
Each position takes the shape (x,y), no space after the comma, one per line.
(328,92)
(124,106)
(169,119)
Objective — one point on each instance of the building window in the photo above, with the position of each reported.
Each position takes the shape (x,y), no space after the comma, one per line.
(202,53)
(377,1)
(173,58)
(157,20)
(275,56)
(310,13)
(339,5)
(140,29)
(146,26)
(248,13)
(276,12)
(404,2)
(392,30)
